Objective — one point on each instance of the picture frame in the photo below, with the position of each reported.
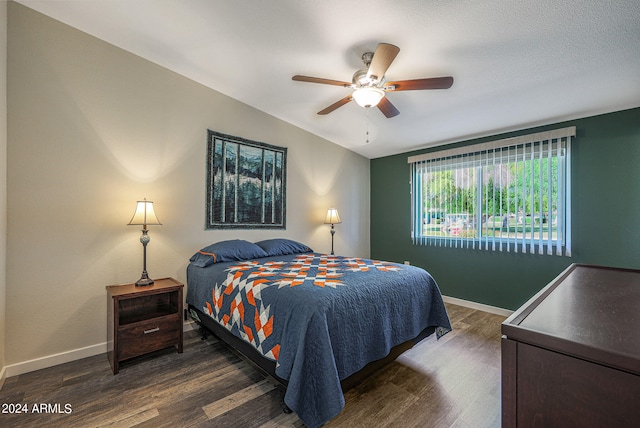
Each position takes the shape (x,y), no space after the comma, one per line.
(246,183)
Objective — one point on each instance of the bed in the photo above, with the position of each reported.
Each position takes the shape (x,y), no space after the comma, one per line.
(312,321)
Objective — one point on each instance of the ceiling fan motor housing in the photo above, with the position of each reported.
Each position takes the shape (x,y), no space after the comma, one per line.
(360,78)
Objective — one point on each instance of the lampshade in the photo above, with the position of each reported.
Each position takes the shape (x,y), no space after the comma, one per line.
(332,217)
(368,96)
(144,214)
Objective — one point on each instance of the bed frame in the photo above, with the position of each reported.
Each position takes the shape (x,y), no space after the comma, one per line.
(268,367)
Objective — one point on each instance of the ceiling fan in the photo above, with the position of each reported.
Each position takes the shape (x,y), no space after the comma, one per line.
(370,85)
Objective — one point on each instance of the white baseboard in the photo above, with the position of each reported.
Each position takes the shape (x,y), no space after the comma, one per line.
(3,376)
(478,306)
(63,357)
(189,325)
(55,359)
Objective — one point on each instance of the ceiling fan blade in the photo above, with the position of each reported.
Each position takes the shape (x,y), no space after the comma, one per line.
(382,59)
(388,109)
(321,80)
(335,105)
(418,84)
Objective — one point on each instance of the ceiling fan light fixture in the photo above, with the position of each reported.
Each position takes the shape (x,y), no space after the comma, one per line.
(368,97)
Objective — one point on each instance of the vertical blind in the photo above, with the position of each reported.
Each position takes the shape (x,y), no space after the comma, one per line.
(505,195)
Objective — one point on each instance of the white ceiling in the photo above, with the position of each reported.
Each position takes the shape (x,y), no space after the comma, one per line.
(516,64)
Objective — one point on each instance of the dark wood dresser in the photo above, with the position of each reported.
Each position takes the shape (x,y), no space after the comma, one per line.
(571,354)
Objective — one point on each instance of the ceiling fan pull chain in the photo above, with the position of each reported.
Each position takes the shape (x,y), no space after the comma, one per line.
(367,120)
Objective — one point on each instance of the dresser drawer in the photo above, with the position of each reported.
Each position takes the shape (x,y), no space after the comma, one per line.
(148,336)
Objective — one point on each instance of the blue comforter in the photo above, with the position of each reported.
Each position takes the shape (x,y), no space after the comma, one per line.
(320,317)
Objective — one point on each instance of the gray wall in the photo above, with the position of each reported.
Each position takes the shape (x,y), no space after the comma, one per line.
(92,129)
(3,181)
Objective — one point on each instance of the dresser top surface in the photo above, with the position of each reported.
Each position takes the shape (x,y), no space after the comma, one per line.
(593,307)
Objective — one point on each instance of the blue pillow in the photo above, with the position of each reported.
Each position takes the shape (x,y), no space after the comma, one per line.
(227,251)
(282,247)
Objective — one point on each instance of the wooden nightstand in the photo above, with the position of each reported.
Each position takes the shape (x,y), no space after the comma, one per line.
(143,319)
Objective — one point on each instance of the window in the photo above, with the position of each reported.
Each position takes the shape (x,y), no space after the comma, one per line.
(506,195)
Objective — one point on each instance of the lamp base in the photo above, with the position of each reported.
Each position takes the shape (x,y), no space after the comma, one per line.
(144,280)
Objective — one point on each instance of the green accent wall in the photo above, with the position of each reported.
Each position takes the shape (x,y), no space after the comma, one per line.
(605,186)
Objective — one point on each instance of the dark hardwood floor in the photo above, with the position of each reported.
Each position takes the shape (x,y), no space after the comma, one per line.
(453,382)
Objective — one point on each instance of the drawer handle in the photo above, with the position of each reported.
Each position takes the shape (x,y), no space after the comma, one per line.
(153,330)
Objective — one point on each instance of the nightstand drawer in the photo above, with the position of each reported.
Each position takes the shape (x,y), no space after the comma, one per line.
(148,336)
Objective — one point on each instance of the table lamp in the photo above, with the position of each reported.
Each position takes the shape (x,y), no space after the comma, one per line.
(144,216)
(332,218)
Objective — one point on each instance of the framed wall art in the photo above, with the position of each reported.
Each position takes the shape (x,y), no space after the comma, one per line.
(246,183)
